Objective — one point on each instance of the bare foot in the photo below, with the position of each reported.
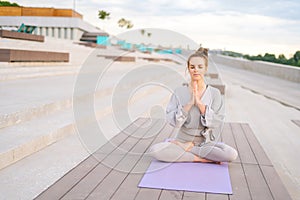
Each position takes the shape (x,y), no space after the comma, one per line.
(198,159)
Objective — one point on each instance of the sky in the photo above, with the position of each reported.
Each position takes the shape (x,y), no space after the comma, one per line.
(246,26)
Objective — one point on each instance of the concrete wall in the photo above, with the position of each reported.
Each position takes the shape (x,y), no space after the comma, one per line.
(286,72)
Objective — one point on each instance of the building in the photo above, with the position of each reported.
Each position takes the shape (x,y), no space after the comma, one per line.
(51,22)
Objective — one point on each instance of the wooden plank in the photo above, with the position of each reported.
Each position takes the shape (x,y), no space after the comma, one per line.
(18,55)
(143,193)
(59,188)
(259,152)
(171,195)
(124,161)
(193,196)
(148,193)
(4,55)
(114,142)
(275,184)
(245,152)
(257,184)
(297,122)
(21,36)
(111,182)
(64,184)
(129,185)
(228,139)
(95,177)
(216,196)
(239,184)
(115,178)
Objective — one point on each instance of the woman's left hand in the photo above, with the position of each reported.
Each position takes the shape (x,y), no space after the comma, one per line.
(199,103)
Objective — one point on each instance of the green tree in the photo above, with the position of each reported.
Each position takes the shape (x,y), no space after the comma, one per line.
(125,23)
(295,60)
(282,59)
(291,61)
(143,31)
(103,15)
(7,3)
(297,56)
(247,56)
(269,57)
(149,34)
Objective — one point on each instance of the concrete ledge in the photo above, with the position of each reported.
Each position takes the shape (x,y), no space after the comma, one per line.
(271,69)
(21,36)
(217,83)
(91,44)
(25,139)
(16,55)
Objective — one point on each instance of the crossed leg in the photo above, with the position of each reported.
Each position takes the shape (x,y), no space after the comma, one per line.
(175,151)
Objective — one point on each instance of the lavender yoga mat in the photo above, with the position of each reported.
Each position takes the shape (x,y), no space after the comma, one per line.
(194,177)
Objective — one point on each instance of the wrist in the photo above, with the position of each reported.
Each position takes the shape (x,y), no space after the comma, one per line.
(202,107)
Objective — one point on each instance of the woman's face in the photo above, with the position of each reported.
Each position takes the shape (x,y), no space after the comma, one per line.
(197,68)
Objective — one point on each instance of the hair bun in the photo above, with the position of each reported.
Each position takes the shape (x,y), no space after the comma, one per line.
(202,50)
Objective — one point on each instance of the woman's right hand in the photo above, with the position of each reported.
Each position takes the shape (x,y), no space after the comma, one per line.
(194,93)
(192,101)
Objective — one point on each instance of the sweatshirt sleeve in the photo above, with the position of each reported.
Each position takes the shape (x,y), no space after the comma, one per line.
(215,113)
(175,114)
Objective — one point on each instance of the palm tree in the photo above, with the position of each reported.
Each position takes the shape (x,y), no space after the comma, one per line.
(125,23)
(103,15)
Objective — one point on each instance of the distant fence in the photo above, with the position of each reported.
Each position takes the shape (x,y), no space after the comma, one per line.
(286,72)
(32,11)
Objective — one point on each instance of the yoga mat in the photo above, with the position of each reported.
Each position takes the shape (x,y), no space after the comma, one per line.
(194,177)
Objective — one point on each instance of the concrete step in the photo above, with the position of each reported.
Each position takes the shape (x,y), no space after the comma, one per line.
(63,149)
(26,99)
(28,177)
(23,139)
(31,121)
(26,75)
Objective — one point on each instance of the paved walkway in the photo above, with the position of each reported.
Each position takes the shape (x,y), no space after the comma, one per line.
(268,104)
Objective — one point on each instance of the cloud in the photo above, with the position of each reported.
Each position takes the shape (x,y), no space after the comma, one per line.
(248,26)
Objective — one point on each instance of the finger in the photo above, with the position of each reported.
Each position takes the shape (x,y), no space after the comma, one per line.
(195,85)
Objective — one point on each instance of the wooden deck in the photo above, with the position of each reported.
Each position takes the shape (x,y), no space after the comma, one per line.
(112,173)
(297,122)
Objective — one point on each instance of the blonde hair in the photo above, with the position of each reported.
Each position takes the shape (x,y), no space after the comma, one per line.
(202,53)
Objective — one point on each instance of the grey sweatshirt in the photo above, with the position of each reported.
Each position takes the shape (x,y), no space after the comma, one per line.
(192,123)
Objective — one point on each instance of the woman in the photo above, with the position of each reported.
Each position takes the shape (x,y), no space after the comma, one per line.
(197,110)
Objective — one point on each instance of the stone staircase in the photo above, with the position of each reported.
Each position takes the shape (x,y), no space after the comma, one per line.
(36,110)
(37,115)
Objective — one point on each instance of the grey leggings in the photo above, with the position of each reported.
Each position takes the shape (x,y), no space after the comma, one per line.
(215,151)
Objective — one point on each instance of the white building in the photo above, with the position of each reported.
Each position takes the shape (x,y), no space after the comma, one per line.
(64,26)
